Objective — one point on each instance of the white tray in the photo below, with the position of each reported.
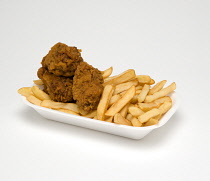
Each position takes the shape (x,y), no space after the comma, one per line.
(112,128)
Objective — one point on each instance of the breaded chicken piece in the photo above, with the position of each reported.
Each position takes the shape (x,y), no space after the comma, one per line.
(87,86)
(59,88)
(62,60)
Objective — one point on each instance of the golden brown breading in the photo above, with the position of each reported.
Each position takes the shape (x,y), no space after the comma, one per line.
(87,86)
(62,60)
(59,88)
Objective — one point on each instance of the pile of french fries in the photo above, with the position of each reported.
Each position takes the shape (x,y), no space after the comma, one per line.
(127,99)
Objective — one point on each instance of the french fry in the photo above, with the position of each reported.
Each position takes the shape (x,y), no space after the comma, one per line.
(165,107)
(135,111)
(121,78)
(161,93)
(143,79)
(117,106)
(151,122)
(67,111)
(135,122)
(157,87)
(95,117)
(83,112)
(40,94)
(109,119)
(119,119)
(143,93)
(129,117)
(104,102)
(124,110)
(122,93)
(91,114)
(150,114)
(106,73)
(25,91)
(59,105)
(113,99)
(152,81)
(125,86)
(38,82)
(134,99)
(34,100)
(138,92)
(139,87)
(158,117)
(147,106)
(162,100)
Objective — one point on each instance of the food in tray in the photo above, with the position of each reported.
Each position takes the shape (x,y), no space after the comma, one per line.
(73,86)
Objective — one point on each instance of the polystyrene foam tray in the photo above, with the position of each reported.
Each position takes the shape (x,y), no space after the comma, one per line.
(112,128)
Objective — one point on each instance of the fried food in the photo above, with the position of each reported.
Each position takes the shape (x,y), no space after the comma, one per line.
(135,111)
(143,93)
(161,93)
(151,122)
(40,94)
(34,100)
(157,87)
(121,78)
(62,60)
(104,102)
(87,86)
(25,91)
(149,114)
(59,88)
(143,79)
(117,106)
(135,122)
(125,86)
(75,87)
(59,105)
(106,73)
(119,119)
(38,82)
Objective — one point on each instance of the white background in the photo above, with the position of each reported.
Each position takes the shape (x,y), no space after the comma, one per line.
(165,39)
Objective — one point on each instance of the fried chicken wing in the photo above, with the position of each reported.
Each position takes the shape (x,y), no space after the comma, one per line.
(59,88)
(87,86)
(62,60)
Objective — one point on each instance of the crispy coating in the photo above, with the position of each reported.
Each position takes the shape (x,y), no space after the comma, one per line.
(59,88)
(62,60)
(87,86)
